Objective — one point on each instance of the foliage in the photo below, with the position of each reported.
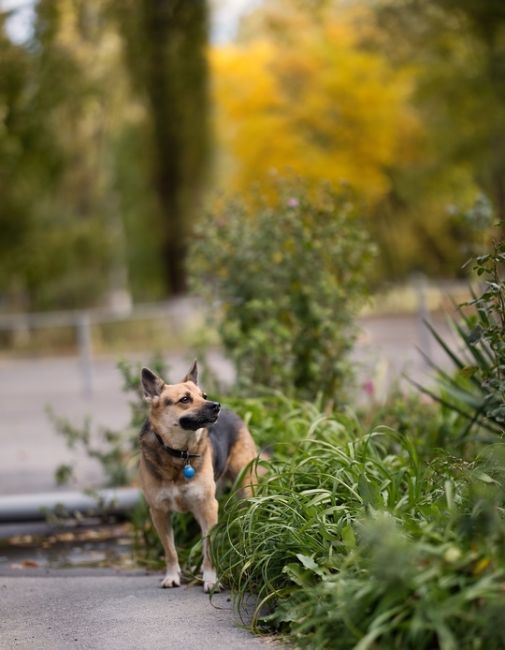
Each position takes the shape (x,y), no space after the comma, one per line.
(103,156)
(477,389)
(287,281)
(265,417)
(349,545)
(89,192)
(165,46)
(454,92)
(390,107)
(339,112)
(56,246)
(458,52)
(430,426)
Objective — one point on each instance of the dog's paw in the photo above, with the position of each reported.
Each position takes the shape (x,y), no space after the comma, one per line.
(210,582)
(171,579)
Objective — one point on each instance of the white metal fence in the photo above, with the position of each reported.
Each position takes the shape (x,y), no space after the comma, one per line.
(419,298)
(178,314)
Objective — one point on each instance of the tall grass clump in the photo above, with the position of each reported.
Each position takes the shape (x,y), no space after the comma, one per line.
(476,388)
(355,542)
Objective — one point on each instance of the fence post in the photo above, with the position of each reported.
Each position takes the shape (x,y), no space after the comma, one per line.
(423,314)
(85,353)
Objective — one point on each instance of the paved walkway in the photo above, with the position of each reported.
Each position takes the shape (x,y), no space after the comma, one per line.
(115,613)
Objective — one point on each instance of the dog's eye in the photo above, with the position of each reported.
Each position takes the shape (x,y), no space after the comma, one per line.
(185,399)
(204,395)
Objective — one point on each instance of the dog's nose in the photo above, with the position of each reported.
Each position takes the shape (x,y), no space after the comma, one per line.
(215,406)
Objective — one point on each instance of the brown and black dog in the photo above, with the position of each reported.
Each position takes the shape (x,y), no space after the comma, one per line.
(187,444)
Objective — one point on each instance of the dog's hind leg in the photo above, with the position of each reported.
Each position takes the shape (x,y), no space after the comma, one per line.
(241,454)
(206,515)
(163,524)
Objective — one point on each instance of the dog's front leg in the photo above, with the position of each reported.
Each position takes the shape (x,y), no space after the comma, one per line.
(163,524)
(206,515)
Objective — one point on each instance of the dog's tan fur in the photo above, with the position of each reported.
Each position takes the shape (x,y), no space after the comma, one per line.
(164,486)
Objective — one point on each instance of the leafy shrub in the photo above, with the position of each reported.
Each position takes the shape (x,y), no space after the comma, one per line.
(477,389)
(286,281)
(399,592)
(349,545)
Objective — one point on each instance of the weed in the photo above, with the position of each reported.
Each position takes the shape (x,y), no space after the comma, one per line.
(476,390)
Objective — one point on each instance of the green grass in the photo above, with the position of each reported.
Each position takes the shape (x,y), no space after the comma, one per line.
(354,541)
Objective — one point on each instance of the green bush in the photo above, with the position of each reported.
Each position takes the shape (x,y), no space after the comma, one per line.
(285,282)
(349,545)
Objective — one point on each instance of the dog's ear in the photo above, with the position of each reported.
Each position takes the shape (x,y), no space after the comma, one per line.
(192,373)
(151,384)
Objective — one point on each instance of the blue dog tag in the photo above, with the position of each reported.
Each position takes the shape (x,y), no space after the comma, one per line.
(188,472)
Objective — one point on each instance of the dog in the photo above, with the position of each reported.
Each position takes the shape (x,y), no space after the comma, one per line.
(189,443)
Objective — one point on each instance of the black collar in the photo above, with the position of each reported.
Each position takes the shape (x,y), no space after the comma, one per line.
(176,453)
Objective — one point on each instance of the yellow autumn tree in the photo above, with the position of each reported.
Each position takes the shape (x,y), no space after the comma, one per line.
(298,95)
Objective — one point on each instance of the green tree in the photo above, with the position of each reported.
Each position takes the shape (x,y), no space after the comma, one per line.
(58,237)
(165,44)
(458,49)
(385,106)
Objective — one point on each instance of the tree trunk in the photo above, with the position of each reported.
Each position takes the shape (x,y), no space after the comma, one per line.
(166,44)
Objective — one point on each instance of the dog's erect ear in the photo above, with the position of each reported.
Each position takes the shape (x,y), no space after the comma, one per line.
(152,384)
(192,373)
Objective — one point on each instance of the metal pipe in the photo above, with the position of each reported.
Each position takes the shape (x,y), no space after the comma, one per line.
(423,314)
(85,353)
(38,507)
(177,308)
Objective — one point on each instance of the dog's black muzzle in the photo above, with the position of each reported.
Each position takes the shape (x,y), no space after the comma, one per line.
(202,418)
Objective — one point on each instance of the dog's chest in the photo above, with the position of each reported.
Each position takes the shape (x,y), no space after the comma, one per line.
(179,497)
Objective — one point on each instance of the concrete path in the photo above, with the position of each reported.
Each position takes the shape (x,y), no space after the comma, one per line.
(115,613)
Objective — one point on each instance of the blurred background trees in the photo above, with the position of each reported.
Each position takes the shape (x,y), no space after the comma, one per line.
(57,215)
(103,149)
(108,111)
(165,44)
(298,95)
(458,52)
